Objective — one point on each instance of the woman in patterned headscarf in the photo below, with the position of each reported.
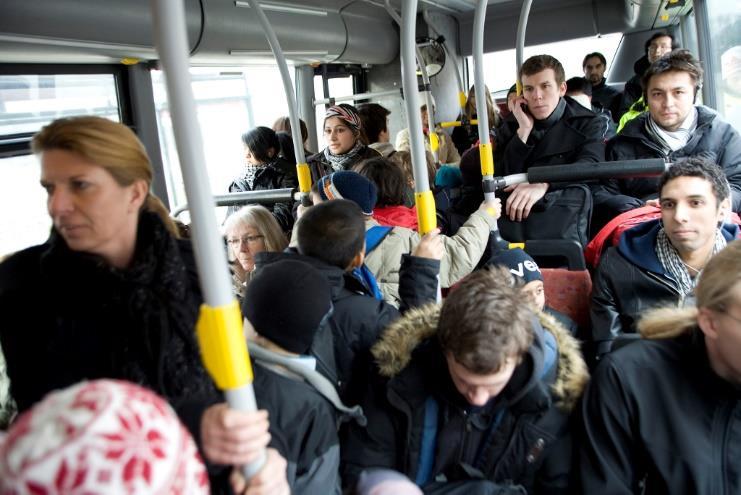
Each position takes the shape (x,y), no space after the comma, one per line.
(345,140)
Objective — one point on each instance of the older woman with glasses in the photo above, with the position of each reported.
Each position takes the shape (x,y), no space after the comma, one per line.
(251,230)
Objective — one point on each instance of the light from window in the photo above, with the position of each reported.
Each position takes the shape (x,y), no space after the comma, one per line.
(229,103)
(724,20)
(22,204)
(28,102)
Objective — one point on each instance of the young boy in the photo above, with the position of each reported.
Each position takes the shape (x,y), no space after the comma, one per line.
(285,303)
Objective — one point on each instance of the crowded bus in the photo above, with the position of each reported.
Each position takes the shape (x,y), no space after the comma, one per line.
(370,247)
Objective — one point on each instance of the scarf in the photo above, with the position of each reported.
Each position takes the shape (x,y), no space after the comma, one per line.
(341,162)
(673,264)
(670,141)
(250,171)
(151,306)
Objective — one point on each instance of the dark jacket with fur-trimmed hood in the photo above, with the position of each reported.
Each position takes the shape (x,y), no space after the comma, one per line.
(420,425)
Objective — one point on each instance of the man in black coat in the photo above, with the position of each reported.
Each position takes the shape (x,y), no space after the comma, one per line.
(674,127)
(594,66)
(658,45)
(663,415)
(658,262)
(472,397)
(548,130)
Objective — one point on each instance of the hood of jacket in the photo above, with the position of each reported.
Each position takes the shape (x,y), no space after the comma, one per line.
(638,244)
(393,352)
(396,216)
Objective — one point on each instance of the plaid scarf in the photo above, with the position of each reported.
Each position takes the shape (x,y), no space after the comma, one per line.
(673,264)
(341,162)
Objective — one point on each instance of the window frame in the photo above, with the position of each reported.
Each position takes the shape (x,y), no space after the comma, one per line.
(20,144)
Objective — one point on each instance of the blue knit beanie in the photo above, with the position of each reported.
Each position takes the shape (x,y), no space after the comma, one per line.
(349,185)
(519,263)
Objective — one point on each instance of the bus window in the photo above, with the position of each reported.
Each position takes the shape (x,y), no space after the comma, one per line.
(229,101)
(30,101)
(500,70)
(725,44)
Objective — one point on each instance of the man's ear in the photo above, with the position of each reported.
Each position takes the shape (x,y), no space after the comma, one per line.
(723,209)
(562,89)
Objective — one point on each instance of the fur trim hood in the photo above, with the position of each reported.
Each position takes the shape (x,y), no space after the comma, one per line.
(393,351)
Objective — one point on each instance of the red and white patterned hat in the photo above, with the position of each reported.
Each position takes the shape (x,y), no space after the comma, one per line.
(101,437)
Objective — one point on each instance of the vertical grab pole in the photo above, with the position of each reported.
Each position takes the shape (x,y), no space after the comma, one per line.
(485,150)
(219,327)
(422,194)
(434,141)
(520,48)
(302,168)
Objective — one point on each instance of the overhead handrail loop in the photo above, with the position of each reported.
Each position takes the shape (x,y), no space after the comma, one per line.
(302,168)
(434,140)
(219,327)
(520,47)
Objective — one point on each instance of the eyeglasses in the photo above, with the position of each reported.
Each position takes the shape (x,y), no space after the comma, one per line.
(245,239)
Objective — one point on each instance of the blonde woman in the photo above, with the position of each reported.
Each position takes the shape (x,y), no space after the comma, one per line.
(665,411)
(113,293)
(251,230)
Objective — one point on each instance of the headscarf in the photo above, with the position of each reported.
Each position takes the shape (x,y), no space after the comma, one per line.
(347,113)
(101,437)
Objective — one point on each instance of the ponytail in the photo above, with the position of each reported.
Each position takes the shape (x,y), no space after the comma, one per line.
(155,205)
(667,323)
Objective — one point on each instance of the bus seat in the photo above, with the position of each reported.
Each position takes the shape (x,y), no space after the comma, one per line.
(569,292)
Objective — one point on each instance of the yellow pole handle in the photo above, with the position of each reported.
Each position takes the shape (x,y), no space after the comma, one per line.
(456,123)
(434,142)
(426,215)
(224,345)
(487,159)
(304,177)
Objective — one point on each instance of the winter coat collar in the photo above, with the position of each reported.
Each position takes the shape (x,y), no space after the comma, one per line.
(561,137)
(636,128)
(397,349)
(638,245)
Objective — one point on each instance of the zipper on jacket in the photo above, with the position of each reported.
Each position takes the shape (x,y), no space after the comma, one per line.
(665,282)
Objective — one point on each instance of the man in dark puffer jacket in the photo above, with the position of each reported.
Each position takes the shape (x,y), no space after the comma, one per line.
(672,128)
(472,397)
